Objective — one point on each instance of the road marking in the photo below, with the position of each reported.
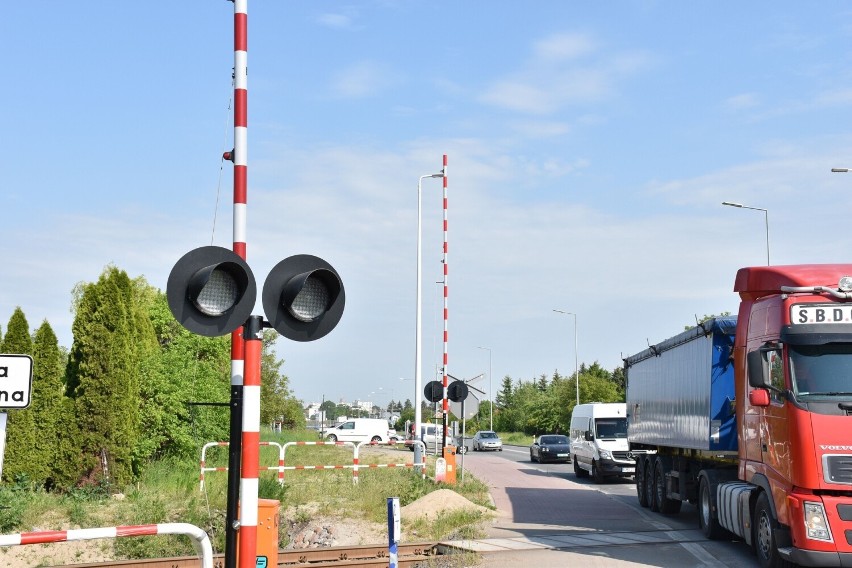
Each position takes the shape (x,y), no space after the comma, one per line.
(693,548)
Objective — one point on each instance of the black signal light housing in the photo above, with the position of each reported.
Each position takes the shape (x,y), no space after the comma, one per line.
(211,291)
(303,297)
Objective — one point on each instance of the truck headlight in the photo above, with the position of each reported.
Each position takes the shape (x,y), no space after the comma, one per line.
(606,454)
(816,524)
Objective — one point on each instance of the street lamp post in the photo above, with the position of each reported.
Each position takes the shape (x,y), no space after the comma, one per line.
(418,356)
(490,391)
(766,218)
(576,357)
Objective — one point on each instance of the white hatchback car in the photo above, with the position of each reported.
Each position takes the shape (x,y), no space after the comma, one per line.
(487,440)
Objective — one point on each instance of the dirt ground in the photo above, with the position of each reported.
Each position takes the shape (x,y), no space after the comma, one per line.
(317,532)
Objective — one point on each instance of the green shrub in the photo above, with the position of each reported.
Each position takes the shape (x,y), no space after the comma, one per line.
(13,504)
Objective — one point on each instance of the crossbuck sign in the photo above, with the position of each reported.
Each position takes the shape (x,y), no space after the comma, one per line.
(16,381)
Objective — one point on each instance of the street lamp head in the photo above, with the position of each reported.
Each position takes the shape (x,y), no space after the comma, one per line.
(732,204)
(840,170)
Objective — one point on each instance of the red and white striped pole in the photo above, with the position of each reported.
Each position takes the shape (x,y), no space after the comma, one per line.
(239,156)
(446,311)
(251,339)
(251,444)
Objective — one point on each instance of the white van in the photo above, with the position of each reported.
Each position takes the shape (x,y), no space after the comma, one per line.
(361,430)
(432,436)
(599,440)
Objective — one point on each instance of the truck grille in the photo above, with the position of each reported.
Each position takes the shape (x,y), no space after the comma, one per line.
(838,469)
(622,456)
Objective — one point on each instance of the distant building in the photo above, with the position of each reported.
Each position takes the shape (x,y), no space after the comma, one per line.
(312,411)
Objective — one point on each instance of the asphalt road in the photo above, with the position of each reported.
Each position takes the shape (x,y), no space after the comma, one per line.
(549,518)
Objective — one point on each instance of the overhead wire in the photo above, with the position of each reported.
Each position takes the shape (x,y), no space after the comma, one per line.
(222,154)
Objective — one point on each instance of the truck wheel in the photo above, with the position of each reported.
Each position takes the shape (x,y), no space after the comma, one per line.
(639,478)
(331,438)
(650,493)
(376,439)
(765,541)
(596,473)
(579,471)
(708,524)
(665,505)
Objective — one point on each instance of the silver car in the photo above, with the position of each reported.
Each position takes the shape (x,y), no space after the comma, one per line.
(487,440)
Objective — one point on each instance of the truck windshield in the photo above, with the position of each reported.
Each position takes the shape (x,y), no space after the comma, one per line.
(611,428)
(821,370)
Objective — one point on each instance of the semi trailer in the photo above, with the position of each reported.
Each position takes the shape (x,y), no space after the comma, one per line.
(749,418)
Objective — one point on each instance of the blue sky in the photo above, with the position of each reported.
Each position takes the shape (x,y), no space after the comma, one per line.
(590,147)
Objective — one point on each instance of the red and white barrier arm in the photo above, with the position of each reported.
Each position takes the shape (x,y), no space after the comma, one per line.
(200,540)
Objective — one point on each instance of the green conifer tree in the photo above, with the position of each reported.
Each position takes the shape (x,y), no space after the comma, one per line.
(46,404)
(19,462)
(113,335)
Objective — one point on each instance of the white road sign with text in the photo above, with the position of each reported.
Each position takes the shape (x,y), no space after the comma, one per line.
(16,381)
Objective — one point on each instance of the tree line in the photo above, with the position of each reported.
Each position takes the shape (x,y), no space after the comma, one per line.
(127,390)
(535,406)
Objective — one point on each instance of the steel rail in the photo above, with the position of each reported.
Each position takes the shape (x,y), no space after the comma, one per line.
(350,556)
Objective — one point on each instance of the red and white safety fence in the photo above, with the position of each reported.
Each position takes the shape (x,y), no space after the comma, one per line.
(355,465)
(204,467)
(310,467)
(200,540)
(282,457)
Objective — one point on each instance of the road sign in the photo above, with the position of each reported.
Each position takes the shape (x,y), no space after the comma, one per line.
(471,407)
(16,381)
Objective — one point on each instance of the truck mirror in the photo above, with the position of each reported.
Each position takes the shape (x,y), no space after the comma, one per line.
(758,397)
(756,370)
(590,436)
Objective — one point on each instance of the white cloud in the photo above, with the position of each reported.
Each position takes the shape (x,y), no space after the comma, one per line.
(564,70)
(833,98)
(742,101)
(336,21)
(563,47)
(362,79)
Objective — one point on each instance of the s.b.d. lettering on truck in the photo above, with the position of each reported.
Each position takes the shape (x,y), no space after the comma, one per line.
(819,313)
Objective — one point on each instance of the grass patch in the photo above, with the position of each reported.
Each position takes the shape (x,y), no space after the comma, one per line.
(169,491)
(516,438)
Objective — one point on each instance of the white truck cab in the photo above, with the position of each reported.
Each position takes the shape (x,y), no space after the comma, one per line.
(599,440)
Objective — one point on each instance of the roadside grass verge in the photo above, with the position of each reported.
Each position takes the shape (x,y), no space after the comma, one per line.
(169,491)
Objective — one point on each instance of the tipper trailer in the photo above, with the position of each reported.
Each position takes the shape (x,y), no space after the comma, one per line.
(750,418)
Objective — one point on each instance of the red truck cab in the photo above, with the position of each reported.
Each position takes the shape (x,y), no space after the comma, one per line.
(793,369)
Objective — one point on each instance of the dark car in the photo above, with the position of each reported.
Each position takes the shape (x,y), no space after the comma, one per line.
(551,447)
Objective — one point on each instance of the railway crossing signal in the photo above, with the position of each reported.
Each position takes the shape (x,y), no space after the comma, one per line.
(211,291)
(303,297)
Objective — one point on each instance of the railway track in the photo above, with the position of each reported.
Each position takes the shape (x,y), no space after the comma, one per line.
(409,555)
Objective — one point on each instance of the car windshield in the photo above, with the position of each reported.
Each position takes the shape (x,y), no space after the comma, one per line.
(554,440)
(611,427)
(821,370)
(487,435)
